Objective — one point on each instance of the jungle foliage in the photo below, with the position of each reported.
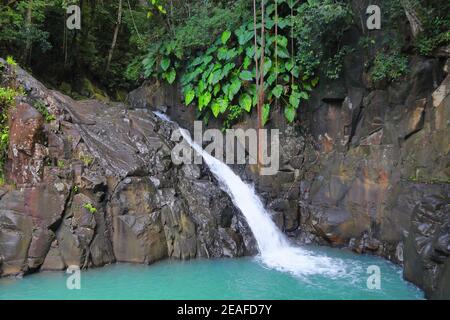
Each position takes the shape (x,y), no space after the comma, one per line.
(218,74)
(390,56)
(35,33)
(8,96)
(208,47)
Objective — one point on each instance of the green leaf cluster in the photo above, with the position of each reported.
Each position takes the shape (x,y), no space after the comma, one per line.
(7,100)
(180,33)
(318,29)
(90,208)
(221,80)
(435,20)
(389,67)
(163,63)
(157,6)
(42,109)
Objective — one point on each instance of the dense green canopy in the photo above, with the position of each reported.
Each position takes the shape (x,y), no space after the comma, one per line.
(208,46)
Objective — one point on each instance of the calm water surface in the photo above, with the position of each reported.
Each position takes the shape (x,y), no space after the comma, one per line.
(244,278)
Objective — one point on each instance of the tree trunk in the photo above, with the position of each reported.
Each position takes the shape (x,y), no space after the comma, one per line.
(116,32)
(256,46)
(259,79)
(260,104)
(411,15)
(65,40)
(28,20)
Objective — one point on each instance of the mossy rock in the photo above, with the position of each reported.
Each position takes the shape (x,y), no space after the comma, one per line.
(92,91)
(121,95)
(101,97)
(66,88)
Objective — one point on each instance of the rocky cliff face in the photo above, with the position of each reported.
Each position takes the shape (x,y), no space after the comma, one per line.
(97,185)
(371,172)
(367,167)
(380,180)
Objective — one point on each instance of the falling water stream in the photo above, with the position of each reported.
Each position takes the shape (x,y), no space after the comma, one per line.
(275,250)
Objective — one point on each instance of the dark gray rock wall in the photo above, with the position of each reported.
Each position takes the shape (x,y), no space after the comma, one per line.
(97,185)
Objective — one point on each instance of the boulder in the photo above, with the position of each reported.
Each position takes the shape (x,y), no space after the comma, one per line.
(53,260)
(138,234)
(28,218)
(26,151)
(15,233)
(427,247)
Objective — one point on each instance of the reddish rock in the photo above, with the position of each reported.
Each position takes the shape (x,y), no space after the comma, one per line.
(45,204)
(26,152)
(373,139)
(413,118)
(138,232)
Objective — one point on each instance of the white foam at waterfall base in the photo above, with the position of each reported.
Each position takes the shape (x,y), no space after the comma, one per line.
(274,248)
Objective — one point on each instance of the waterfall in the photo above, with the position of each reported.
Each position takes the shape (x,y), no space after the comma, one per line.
(275,250)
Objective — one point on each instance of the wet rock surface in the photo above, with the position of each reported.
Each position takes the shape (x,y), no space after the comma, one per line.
(367,168)
(372,167)
(97,185)
(382,178)
(374,175)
